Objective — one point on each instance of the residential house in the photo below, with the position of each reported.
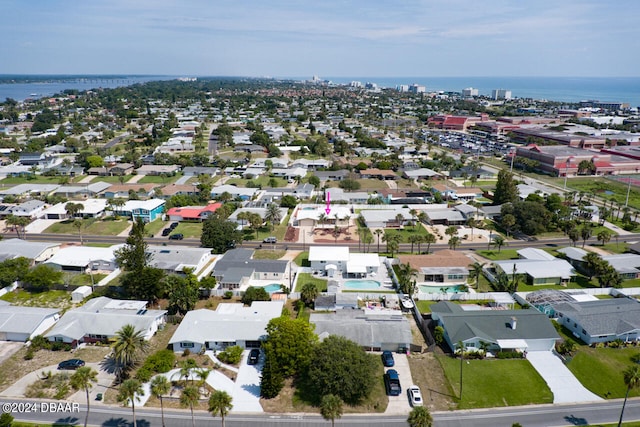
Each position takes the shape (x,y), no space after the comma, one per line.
(91,208)
(375,173)
(36,251)
(260,211)
(289,173)
(311,216)
(499,330)
(338,261)
(444,266)
(602,320)
(192,213)
(301,192)
(82,191)
(123,191)
(43,160)
(450,216)
(171,190)
(20,323)
(312,165)
(156,170)
(200,170)
(228,325)
(405,196)
(237,267)
(147,210)
(100,319)
(352,197)
(338,175)
(121,169)
(235,192)
(373,331)
(626,265)
(249,148)
(387,218)
(537,267)
(29,190)
(29,209)
(421,173)
(175,259)
(84,259)
(458,193)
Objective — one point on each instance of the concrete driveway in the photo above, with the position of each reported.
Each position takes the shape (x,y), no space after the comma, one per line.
(246,390)
(565,387)
(8,349)
(399,405)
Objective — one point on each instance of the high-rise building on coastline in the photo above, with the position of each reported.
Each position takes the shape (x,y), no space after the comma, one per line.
(469,91)
(499,94)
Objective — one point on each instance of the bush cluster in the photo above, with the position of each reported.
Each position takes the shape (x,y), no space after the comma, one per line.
(231,355)
(509,355)
(158,363)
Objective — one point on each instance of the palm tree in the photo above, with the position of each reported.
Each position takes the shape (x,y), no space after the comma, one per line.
(82,379)
(454,242)
(202,375)
(585,233)
(471,222)
(189,397)
(604,236)
(322,218)
(331,408)
(420,417)
(429,239)
(129,391)
(379,232)
(499,242)
(347,219)
(309,293)
(273,215)
(399,220)
(128,345)
(220,404)
(414,215)
(476,272)
(631,380)
(414,239)
(79,224)
(160,386)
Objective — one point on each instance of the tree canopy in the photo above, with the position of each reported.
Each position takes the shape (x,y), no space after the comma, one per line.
(506,190)
(219,234)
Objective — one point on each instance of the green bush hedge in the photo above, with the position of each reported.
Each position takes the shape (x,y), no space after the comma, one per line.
(231,355)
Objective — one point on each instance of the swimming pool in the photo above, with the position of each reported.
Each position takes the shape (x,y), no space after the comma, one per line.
(274,287)
(361,284)
(435,289)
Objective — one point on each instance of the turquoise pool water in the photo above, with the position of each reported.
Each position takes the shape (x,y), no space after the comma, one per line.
(274,287)
(451,289)
(362,284)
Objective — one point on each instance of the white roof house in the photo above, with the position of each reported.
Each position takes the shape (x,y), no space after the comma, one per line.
(18,323)
(100,319)
(82,258)
(230,324)
(244,193)
(37,251)
(175,259)
(314,213)
(338,259)
(380,218)
(91,208)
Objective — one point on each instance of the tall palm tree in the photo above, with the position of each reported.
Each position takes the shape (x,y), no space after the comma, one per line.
(414,216)
(160,386)
(347,219)
(379,232)
(631,380)
(471,223)
(476,272)
(220,404)
(189,397)
(273,215)
(331,408)
(128,345)
(129,391)
(202,375)
(414,239)
(82,379)
(420,417)
(499,242)
(429,239)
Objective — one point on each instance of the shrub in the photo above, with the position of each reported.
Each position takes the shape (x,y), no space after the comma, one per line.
(161,361)
(6,419)
(231,355)
(228,295)
(39,342)
(29,354)
(509,355)
(144,374)
(272,381)
(186,352)
(438,335)
(60,346)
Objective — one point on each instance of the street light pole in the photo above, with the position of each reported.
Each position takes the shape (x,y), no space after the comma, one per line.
(566,173)
(626,203)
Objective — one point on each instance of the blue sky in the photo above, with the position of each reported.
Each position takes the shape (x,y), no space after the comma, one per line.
(297,38)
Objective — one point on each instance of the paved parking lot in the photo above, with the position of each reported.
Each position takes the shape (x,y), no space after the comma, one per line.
(400,404)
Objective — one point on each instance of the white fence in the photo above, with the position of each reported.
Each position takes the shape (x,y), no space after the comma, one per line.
(463,296)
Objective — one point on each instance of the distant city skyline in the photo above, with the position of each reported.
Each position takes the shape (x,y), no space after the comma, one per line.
(285,38)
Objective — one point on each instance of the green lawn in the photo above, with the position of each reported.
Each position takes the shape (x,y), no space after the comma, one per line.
(262,181)
(404,233)
(107,227)
(302,260)
(57,299)
(600,370)
(304,278)
(189,229)
(601,186)
(153,227)
(83,279)
(615,247)
(113,179)
(494,255)
(38,179)
(157,179)
(268,254)
(495,383)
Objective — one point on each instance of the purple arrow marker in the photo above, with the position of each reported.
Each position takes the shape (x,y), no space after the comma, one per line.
(328,208)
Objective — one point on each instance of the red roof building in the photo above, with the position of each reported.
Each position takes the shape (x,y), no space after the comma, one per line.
(192,213)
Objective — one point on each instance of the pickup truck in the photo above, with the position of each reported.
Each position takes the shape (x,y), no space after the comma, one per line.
(392,383)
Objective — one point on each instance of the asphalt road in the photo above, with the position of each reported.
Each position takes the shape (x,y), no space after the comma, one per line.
(529,416)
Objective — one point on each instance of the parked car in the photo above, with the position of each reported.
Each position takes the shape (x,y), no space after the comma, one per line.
(392,383)
(71,364)
(173,226)
(270,239)
(177,236)
(254,356)
(387,359)
(166,232)
(415,396)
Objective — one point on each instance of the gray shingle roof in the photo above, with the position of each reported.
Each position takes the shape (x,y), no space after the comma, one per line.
(603,317)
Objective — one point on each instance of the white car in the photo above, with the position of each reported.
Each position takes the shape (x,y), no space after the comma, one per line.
(415,397)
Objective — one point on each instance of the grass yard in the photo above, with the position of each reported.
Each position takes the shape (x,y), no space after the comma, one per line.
(157,179)
(109,227)
(495,383)
(606,189)
(304,278)
(494,255)
(152,228)
(268,254)
(261,181)
(404,233)
(113,179)
(53,299)
(38,179)
(302,260)
(614,247)
(189,229)
(83,279)
(425,306)
(600,370)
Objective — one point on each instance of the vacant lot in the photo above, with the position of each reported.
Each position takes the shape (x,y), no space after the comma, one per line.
(108,227)
(50,299)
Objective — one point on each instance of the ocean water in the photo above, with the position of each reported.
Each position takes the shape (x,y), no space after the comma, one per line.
(563,89)
(56,84)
